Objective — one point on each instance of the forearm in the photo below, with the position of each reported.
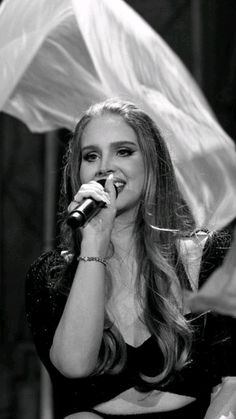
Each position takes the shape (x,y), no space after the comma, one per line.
(79,333)
(78,337)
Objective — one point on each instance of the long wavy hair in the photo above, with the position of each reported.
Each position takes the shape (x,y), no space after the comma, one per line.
(162,218)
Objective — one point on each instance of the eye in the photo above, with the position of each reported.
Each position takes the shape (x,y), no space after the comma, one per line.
(125,152)
(90,157)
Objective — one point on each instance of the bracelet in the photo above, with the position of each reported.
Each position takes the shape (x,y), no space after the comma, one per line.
(92,259)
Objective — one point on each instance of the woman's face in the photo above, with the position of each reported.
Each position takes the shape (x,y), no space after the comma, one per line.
(109,145)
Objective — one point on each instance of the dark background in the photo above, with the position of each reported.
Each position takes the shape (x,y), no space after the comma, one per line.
(202,33)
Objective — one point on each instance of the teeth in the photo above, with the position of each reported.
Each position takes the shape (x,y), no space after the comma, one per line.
(118,184)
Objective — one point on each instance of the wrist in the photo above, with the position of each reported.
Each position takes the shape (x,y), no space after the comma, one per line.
(93,248)
(92,259)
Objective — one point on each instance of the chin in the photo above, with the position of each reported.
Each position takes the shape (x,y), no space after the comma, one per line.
(127,210)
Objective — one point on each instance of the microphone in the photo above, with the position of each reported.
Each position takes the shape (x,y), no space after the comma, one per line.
(86,210)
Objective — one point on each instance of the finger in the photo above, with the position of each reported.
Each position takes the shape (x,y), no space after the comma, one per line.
(90,187)
(96,184)
(89,192)
(97,195)
(73,206)
(110,188)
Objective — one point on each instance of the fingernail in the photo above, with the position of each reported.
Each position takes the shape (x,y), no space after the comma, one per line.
(106,199)
(107,202)
(111,176)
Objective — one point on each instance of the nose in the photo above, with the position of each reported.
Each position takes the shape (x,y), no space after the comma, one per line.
(104,172)
(105,167)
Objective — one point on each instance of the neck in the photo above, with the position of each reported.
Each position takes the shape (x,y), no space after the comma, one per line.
(123,264)
(123,235)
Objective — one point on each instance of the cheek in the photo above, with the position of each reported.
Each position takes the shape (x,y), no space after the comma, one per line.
(81,174)
(140,173)
(86,173)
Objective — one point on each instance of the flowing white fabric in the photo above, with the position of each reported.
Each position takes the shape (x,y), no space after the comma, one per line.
(219,291)
(57,57)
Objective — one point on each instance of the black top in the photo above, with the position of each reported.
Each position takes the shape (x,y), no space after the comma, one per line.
(213,350)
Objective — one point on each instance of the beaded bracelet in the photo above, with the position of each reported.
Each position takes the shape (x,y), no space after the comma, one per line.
(92,259)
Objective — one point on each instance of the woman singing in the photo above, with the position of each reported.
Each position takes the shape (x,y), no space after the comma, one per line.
(107,308)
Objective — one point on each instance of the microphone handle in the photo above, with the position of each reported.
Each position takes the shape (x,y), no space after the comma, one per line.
(84,213)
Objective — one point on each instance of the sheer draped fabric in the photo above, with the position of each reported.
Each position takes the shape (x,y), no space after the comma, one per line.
(59,57)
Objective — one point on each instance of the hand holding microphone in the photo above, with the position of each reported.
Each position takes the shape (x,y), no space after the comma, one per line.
(89,207)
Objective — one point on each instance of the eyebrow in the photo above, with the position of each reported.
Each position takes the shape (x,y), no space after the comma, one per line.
(114,145)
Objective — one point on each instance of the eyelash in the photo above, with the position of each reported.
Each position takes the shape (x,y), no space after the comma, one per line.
(125,152)
(89,157)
